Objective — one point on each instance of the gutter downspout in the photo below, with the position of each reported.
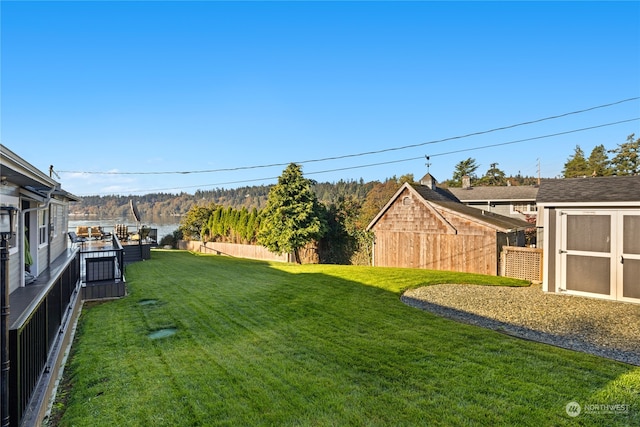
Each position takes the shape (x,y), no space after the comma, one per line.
(22,215)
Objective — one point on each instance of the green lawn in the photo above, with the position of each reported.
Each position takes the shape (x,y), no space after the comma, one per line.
(260,343)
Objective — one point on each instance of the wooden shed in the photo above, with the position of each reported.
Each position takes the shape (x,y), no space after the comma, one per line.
(424,226)
(592,236)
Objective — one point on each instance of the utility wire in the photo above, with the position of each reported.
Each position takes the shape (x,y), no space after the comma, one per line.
(400,160)
(366,153)
(535,137)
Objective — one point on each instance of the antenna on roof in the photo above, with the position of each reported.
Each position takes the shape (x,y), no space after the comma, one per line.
(428,163)
(52,172)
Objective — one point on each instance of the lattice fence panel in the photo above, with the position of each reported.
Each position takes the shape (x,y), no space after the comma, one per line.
(522,263)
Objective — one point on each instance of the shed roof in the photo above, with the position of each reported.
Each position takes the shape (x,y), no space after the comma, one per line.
(590,190)
(496,193)
(443,198)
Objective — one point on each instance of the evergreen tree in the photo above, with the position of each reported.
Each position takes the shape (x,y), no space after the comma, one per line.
(494,176)
(576,165)
(241,225)
(196,219)
(599,161)
(252,226)
(464,168)
(626,160)
(293,216)
(218,225)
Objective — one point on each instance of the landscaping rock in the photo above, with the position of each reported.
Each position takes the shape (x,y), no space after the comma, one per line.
(609,329)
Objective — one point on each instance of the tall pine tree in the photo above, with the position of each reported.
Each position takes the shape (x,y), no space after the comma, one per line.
(576,166)
(599,161)
(464,168)
(293,216)
(626,160)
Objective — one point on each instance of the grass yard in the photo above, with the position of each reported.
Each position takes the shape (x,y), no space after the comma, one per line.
(273,344)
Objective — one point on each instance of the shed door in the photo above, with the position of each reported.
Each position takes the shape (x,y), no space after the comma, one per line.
(586,253)
(600,254)
(629,259)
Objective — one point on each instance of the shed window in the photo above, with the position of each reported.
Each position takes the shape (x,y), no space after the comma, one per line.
(406,201)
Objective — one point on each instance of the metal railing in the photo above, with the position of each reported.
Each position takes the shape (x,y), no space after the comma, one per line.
(33,335)
(103,264)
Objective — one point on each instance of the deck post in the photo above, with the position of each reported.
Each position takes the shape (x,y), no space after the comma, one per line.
(4,291)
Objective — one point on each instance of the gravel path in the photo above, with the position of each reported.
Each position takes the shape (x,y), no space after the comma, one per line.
(604,328)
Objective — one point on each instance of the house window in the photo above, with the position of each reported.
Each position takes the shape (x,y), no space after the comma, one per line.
(406,201)
(524,208)
(42,227)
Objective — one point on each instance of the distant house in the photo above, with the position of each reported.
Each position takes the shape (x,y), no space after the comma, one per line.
(513,201)
(44,279)
(424,226)
(592,243)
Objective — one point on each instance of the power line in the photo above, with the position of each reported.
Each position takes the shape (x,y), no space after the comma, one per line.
(536,137)
(366,153)
(400,160)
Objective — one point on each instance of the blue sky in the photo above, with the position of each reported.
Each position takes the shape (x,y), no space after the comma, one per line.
(129,87)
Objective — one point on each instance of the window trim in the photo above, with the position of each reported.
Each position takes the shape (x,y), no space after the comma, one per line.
(531,207)
(43,228)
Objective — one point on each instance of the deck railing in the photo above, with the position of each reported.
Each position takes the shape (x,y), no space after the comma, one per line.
(103,265)
(32,336)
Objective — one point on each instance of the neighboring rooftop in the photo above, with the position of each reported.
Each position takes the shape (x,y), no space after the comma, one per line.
(495,193)
(442,198)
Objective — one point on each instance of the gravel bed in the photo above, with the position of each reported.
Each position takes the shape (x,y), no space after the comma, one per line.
(604,328)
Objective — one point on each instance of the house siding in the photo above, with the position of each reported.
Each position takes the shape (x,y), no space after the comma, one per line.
(500,209)
(551,248)
(58,236)
(14,272)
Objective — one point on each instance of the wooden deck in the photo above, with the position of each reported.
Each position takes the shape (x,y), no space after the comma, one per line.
(24,299)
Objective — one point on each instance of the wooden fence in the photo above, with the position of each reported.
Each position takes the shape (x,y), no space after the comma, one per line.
(232,249)
(521,263)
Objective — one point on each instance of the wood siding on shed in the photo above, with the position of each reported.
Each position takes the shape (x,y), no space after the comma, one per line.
(412,234)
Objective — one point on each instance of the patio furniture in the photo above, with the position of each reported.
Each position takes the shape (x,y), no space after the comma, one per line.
(75,240)
(89,232)
(122,232)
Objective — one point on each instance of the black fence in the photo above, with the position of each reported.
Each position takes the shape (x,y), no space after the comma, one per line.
(33,335)
(104,264)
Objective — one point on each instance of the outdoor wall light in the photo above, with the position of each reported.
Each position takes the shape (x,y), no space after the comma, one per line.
(7,221)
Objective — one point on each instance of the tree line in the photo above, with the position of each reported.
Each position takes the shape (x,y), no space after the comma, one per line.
(166,205)
(625,160)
